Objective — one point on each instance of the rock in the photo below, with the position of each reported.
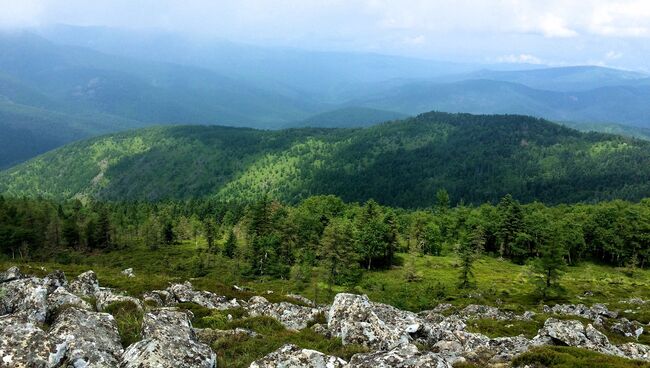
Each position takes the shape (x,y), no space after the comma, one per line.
(159,298)
(431,316)
(55,280)
(573,333)
(482,311)
(128,272)
(106,297)
(321,330)
(635,351)
(209,335)
(13,273)
(24,345)
(26,296)
(168,342)
(595,313)
(61,298)
(442,307)
(400,357)
(85,284)
(291,356)
(627,328)
(185,293)
(290,315)
(504,349)
(351,317)
(90,339)
(634,300)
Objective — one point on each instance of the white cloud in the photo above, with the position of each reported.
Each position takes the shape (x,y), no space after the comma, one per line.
(519,59)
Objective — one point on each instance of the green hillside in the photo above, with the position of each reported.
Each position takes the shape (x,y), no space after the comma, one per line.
(349,117)
(475,157)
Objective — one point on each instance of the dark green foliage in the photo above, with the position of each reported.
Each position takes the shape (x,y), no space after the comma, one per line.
(569,357)
(475,158)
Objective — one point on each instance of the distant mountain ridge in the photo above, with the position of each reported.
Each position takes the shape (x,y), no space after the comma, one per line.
(476,158)
(55,92)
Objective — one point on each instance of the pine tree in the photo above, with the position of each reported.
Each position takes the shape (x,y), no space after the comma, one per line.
(340,263)
(469,248)
(231,245)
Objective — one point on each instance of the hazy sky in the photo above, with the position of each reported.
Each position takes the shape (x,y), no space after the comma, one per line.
(555,32)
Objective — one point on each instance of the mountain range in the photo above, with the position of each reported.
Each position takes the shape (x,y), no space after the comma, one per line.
(62,84)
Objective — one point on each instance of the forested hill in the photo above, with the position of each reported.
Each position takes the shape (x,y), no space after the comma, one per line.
(476,158)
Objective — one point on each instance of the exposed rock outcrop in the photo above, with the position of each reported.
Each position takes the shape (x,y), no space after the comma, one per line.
(185,293)
(27,296)
(61,297)
(85,284)
(168,342)
(351,317)
(24,345)
(291,356)
(573,333)
(11,274)
(290,315)
(627,328)
(405,356)
(90,339)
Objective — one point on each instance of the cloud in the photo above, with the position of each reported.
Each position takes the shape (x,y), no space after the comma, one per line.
(519,59)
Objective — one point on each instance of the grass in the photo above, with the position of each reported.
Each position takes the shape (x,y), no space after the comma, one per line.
(129,321)
(568,357)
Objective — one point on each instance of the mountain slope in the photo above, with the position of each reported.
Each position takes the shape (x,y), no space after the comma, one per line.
(348,117)
(560,79)
(476,158)
(621,104)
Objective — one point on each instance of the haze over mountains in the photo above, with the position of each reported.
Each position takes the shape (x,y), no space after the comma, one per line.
(63,83)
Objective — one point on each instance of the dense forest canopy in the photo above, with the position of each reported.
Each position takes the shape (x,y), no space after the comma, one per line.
(476,158)
(272,239)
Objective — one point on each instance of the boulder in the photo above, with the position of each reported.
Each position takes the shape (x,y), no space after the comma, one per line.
(635,351)
(290,315)
(128,272)
(291,356)
(351,317)
(106,297)
(85,284)
(442,307)
(27,296)
(13,273)
(185,293)
(627,328)
(159,298)
(24,345)
(168,342)
(573,333)
(400,357)
(55,280)
(61,298)
(90,338)
(595,313)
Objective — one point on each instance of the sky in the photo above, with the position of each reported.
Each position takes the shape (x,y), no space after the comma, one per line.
(551,32)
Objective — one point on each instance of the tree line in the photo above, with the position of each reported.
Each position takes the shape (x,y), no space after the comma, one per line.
(274,239)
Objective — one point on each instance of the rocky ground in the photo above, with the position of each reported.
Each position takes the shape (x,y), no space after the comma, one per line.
(53,322)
